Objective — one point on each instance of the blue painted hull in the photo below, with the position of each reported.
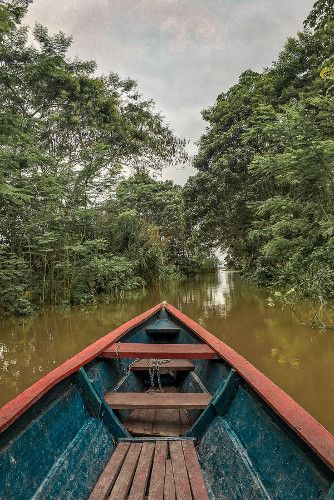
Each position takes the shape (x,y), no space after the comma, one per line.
(60,446)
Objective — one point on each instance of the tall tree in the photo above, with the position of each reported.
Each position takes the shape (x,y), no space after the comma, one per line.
(264,191)
(66,135)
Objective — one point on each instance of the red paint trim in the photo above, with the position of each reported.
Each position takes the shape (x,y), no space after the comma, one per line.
(169,351)
(17,406)
(314,434)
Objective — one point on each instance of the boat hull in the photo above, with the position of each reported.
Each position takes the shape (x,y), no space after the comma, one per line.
(252,440)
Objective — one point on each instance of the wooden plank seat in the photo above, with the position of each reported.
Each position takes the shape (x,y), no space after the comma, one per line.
(151,422)
(158,400)
(174,365)
(155,470)
(166,351)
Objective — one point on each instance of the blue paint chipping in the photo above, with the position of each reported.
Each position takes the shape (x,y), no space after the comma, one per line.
(218,405)
(98,406)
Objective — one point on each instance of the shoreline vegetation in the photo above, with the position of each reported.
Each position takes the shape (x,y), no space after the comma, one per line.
(73,225)
(83,215)
(265,184)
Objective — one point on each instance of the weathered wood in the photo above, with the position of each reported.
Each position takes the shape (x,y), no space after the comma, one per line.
(107,479)
(182,485)
(179,365)
(219,404)
(169,351)
(97,406)
(123,482)
(178,400)
(156,490)
(157,423)
(169,488)
(163,327)
(167,423)
(195,475)
(142,474)
(140,422)
(136,439)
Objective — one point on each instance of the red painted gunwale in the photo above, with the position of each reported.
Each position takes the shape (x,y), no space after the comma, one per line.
(17,406)
(312,432)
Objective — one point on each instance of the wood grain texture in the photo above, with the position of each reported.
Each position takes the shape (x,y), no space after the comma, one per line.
(169,487)
(169,351)
(182,485)
(195,475)
(123,482)
(151,423)
(107,480)
(184,422)
(167,423)
(141,477)
(128,400)
(156,490)
(306,427)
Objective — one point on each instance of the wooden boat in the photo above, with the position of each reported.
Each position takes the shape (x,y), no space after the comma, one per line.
(160,408)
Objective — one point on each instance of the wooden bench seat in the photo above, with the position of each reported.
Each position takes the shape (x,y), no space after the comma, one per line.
(168,351)
(176,365)
(151,422)
(155,470)
(156,400)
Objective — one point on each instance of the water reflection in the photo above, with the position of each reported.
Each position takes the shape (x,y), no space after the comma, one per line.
(299,359)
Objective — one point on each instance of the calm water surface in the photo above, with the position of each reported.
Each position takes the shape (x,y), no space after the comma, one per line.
(297,358)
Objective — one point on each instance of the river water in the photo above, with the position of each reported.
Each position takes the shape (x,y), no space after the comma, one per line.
(297,358)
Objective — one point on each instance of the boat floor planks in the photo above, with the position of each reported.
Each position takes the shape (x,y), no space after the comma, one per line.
(152,470)
(168,422)
(107,479)
(157,423)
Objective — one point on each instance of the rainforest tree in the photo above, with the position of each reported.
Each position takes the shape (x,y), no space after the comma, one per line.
(264,191)
(66,138)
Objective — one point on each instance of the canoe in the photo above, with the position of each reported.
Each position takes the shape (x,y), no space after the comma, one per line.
(160,408)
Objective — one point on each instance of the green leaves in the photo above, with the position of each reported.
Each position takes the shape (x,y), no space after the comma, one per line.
(66,134)
(264,192)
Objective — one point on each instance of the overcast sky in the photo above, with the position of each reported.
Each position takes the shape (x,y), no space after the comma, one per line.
(183,53)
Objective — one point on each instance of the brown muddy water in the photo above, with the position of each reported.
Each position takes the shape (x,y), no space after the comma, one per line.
(299,359)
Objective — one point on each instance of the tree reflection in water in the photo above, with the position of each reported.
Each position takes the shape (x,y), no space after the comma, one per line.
(298,358)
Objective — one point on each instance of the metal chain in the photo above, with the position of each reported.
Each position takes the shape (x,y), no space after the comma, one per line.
(120,363)
(154,369)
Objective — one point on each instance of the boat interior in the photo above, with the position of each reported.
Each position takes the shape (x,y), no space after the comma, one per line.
(157,415)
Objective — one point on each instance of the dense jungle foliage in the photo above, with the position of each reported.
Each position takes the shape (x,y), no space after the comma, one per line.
(82,214)
(71,227)
(265,187)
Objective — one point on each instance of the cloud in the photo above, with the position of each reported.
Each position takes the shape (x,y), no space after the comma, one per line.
(183,53)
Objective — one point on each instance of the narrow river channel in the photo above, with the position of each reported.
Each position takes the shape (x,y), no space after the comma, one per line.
(297,358)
